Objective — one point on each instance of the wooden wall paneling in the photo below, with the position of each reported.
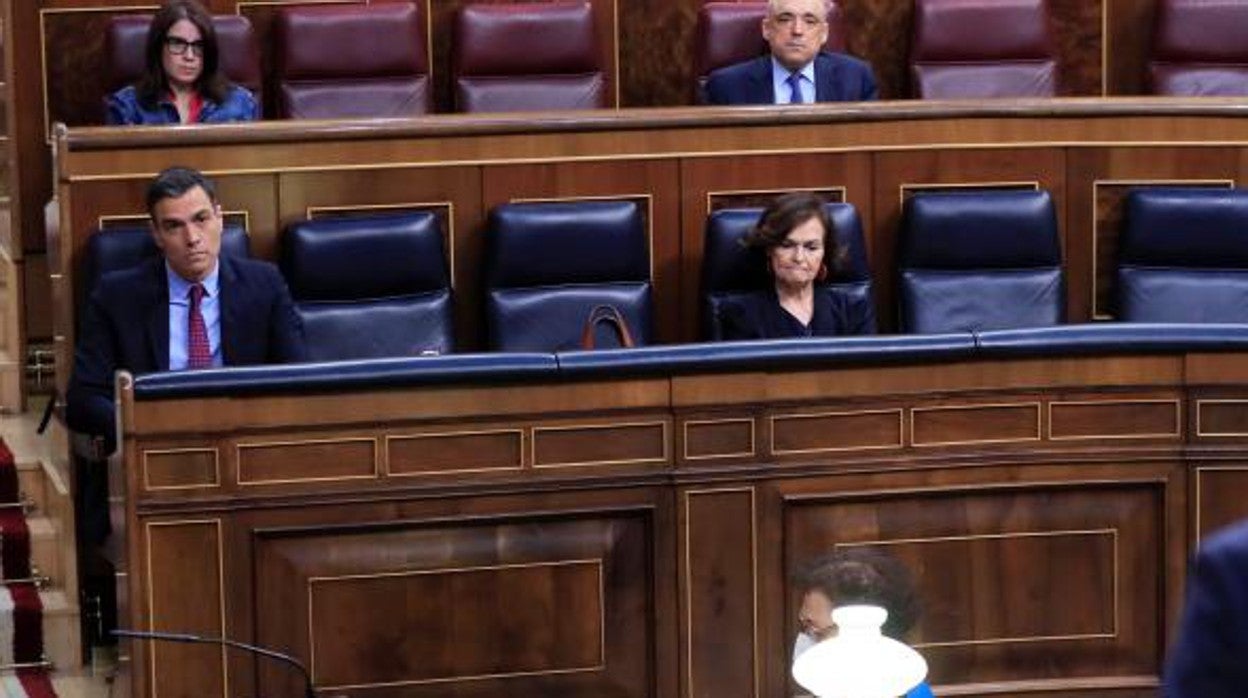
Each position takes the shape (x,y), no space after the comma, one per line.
(981,556)
(730,180)
(878,32)
(720,595)
(899,174)
(1128,41)
(654,184)
(504,600)
(451,193)
(657,45)
(185,561)
(1099,180)
(1076,27)
(1220,489)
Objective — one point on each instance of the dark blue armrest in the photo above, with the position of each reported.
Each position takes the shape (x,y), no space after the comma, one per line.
(766,355)
(1115,338)
(348,375)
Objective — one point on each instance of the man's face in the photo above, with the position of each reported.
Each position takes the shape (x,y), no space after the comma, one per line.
(795,30)
(187,229)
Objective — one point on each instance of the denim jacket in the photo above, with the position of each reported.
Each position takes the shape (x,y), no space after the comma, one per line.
(124,109)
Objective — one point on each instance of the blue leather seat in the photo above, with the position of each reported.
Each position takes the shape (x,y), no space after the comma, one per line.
(547,265)
(370,286)
(983,260)
(1183,256)
(113,249)
(729,269)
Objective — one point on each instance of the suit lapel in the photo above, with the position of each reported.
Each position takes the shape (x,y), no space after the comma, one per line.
(762,91)
(825,79)
(158,317)
(227,289)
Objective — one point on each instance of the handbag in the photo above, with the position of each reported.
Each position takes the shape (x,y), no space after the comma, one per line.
(610,315)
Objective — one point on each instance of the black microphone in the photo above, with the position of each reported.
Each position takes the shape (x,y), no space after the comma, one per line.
(221,641)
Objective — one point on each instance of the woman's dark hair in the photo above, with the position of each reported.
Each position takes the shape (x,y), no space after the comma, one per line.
(785,213)
(864,576)
(211,84)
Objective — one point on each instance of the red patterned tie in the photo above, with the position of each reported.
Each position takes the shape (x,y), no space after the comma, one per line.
(198,353)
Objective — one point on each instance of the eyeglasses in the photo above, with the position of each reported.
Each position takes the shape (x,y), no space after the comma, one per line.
(178,46)
(788,19)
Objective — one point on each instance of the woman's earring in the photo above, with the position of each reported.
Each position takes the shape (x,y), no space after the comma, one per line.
(823,273)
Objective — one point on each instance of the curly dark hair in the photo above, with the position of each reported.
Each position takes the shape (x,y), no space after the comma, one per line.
(785,213)
(153,85)
(861,575)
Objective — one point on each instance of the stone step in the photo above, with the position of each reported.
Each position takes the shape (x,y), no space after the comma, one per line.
(61,629)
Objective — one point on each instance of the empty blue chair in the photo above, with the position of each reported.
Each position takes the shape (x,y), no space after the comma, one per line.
(1183,256)
(982,260)
(547,265)
(370,286)
(730,270)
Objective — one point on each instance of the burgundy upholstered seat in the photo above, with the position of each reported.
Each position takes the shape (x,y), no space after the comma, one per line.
(973,49)
(730,32)
(1200,48)
(349,61)
(236,41)
(527,57)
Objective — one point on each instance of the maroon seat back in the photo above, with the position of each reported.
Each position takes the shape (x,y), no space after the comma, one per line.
(351,61)
(973,49)
(236,42)
(731,32)
(526,57)
(1200,48)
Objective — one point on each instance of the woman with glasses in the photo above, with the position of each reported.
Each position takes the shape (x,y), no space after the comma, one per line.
(794,241)
(182,82)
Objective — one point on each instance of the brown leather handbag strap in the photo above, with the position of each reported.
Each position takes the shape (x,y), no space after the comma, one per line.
(610,315)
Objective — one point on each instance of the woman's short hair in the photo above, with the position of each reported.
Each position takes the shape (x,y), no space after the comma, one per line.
(785,213)
(211,83)
(861,575)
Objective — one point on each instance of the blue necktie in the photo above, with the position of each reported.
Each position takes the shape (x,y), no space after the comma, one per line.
(795,91)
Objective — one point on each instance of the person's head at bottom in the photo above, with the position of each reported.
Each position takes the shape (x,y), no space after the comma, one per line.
(849,576)
(186,221)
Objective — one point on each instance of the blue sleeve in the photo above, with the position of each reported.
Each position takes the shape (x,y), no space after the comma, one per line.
(119,111)
(1208,657)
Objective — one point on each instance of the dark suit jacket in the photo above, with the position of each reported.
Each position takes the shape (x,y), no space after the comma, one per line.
(759,315)
(838,78)
(1209,658)
(126,326)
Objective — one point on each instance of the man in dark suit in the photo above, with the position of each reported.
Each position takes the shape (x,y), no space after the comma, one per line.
(188,308)
(1209,658)
(797,71)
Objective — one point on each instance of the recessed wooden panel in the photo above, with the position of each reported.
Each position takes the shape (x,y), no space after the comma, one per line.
(720,593)
(971,424)
(180,468)
(1222,418)
(310,460)
(1038,582)
(1221,496)
(345,613)
(719,438)
(543,603)
(185,562)
(600,444)
(1114,419)
(422,454)
(835,431)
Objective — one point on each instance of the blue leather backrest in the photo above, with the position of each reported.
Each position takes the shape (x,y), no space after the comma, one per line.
(984,260)
(113,249)
(728,268)
(548,264)
(370,286)
(1183,256)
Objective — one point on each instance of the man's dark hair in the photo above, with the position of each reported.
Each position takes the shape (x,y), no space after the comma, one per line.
(860,575)
(174,182)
